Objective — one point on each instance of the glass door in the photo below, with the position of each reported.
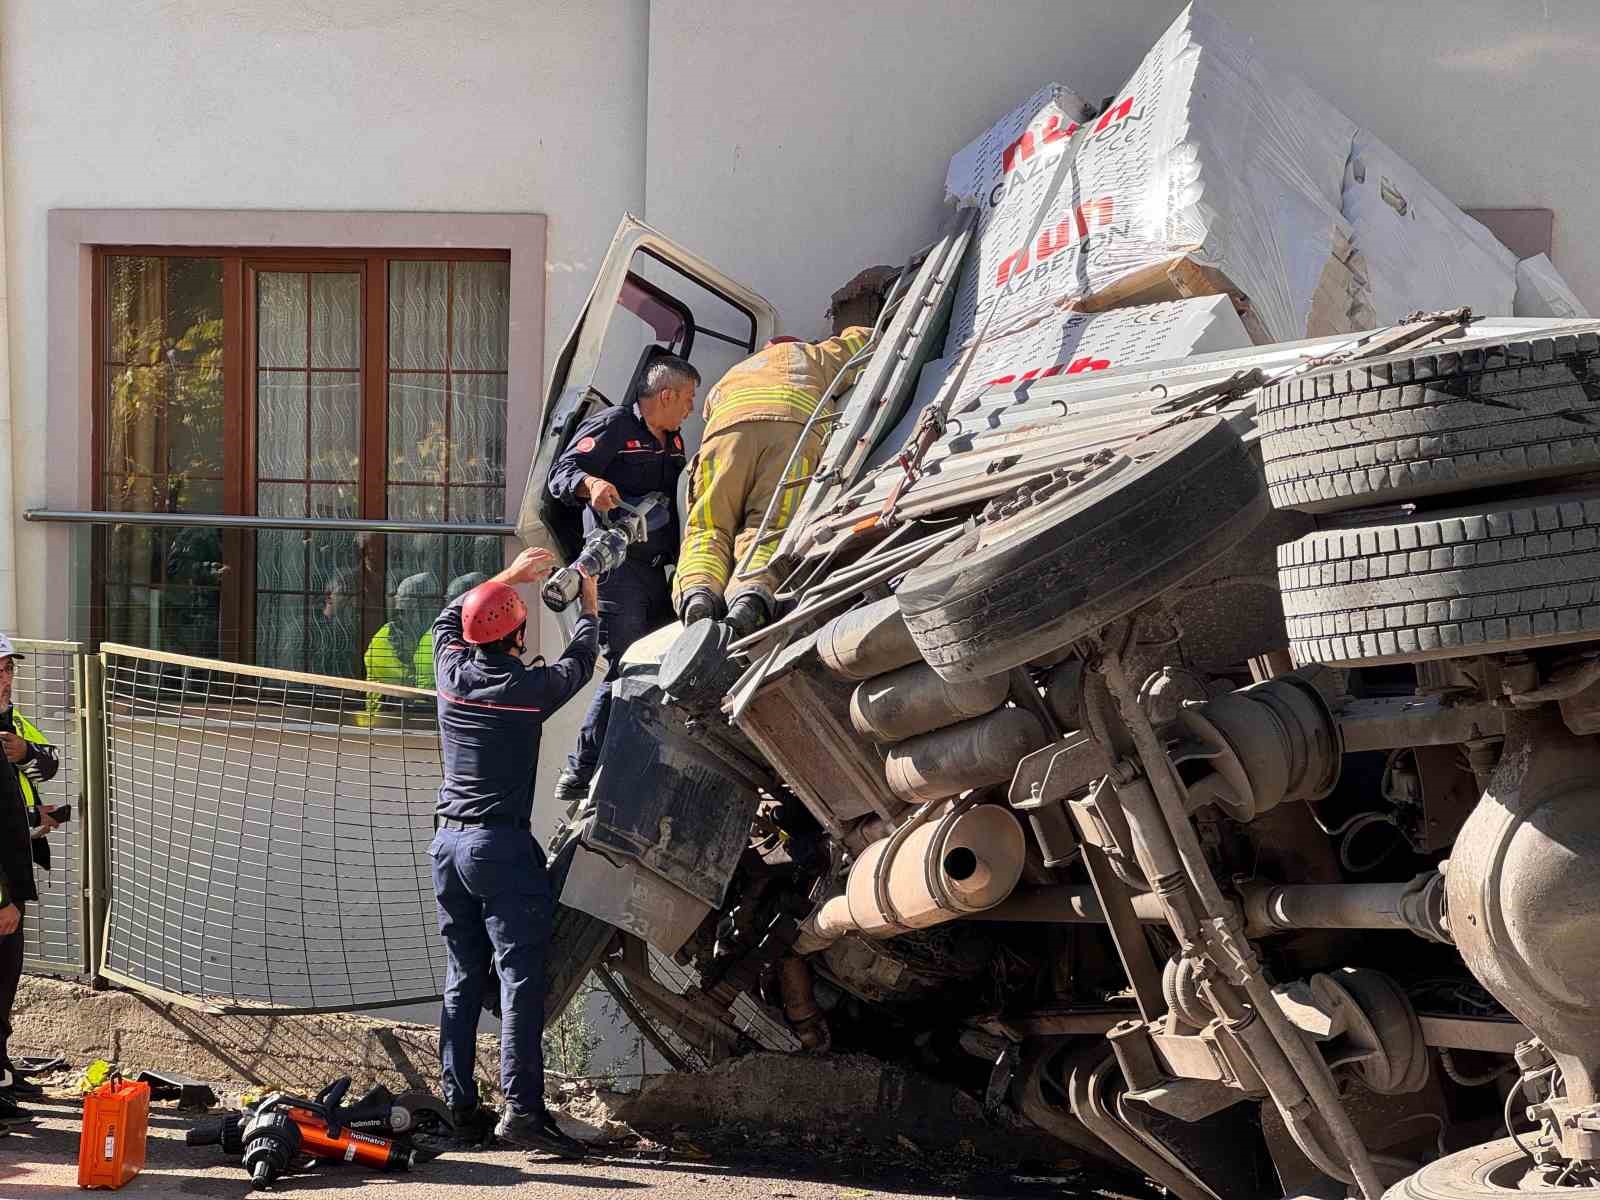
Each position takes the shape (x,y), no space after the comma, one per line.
(307,423)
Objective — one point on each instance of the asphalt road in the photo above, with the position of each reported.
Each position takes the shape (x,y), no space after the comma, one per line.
(40,1163)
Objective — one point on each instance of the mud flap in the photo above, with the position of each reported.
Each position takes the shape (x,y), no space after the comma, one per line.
(663,799)
(634,899)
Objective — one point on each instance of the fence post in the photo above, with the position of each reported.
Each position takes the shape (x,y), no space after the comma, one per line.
(96,816)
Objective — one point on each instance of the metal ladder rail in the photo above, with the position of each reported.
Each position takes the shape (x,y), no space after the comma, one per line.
(819,415)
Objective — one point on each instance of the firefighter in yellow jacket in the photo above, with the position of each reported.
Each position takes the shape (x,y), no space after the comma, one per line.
(754,418)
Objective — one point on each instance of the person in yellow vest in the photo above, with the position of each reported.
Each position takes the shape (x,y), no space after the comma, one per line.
(391,656)
(755,417)
(423,659)
(31,762)
(26,748)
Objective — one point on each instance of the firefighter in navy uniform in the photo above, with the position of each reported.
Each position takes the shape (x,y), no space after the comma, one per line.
(489,873)
(624,454)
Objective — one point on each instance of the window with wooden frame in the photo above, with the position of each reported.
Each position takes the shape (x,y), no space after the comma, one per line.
(297,383)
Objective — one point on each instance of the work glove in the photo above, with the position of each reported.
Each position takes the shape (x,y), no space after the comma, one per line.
(747,614)
(700,604)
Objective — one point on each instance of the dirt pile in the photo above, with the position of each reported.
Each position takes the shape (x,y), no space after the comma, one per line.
(844,1112)
(295,1053)
(837,1100)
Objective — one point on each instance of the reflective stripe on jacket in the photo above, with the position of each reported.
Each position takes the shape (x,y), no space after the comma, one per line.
(491,708)
(40,766)
(19,849)
(783,382)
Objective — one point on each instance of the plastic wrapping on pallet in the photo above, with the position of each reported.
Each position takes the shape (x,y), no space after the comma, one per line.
(1034,129)
(1417,250)
(1541,292)
(994,390)
(1210,172)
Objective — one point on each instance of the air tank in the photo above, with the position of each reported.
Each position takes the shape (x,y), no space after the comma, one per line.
(975,753)
(914,699)
(867,641)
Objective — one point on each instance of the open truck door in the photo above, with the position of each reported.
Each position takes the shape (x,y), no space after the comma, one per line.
(650,296)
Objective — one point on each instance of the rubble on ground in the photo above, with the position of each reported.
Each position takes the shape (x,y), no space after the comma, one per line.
(588,1109)
(836,1098)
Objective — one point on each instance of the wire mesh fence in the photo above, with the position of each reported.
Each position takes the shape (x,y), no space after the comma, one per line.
(255,840)
(48,691)
(267,835)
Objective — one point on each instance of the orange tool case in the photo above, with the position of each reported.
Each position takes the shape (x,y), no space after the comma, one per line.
(116,1116)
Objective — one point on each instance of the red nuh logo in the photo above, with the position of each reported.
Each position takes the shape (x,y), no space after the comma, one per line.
(1024,148)
(1086,363)
(1069,231)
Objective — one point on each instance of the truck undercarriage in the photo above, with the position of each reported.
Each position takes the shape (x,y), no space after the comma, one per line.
(1189,759)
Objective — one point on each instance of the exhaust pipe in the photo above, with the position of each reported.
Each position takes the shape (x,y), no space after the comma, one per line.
(800,1005)
(946,862)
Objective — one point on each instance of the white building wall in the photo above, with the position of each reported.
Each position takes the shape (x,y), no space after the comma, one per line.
(474,105)
(796,143)
(790,142)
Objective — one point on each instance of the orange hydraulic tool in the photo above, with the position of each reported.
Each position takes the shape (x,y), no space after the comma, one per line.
(271,1134)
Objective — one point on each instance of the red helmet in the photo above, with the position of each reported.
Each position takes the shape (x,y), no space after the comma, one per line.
(491,611)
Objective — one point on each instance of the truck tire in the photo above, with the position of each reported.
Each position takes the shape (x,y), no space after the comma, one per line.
(1410,425)
(1015,589)
(577,941)
(1493,1170)
(1476,580)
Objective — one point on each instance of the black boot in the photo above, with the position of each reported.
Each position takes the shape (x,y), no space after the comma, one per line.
(747,614)
(11,1113)
(14,1085)
(538,1132)
(474,1126)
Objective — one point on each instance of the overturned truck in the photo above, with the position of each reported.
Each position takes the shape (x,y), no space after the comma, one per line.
(1180,724)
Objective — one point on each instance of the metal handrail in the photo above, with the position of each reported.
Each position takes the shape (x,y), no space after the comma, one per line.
(234,521)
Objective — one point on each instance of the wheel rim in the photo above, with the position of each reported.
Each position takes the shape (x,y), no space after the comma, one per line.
(1041,512)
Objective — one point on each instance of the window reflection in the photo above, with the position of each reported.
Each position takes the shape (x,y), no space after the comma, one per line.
(354,605)
(401,651)
(449,352)
(162,450)
(308,463)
